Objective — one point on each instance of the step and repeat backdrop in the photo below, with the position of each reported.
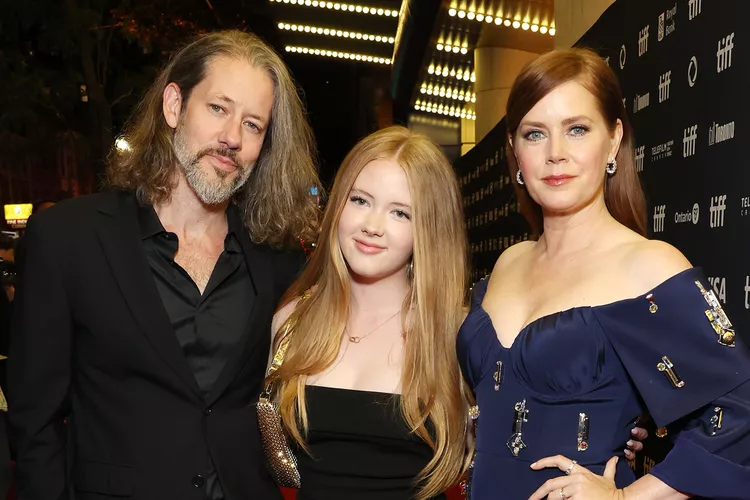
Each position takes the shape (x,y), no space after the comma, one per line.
(683,67)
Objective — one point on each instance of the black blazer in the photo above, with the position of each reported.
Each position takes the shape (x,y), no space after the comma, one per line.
(92,343)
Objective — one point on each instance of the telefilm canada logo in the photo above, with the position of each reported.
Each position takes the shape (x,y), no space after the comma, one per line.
(745,206)
(662,151)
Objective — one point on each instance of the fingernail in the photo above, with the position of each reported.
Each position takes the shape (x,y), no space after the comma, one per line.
(630,443)
(533,465)
(633,432)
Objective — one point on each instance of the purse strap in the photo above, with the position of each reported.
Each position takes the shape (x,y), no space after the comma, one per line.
(278,357)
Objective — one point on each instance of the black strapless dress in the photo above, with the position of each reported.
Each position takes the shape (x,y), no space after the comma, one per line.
(361,447)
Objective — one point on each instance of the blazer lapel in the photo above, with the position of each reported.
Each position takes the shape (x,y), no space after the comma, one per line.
(256,334)
(120,238)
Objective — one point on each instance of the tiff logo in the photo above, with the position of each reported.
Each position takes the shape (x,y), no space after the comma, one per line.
(689,138)
(724,53)
(643,41)
(717,209)
(660,214)
(747,292)
(664,81)
(640,152)
(694,8)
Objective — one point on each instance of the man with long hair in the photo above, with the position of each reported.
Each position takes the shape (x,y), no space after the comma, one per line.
(143,313)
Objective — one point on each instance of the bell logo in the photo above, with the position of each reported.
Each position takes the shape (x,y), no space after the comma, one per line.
(694,8)
(717,209)
(689,138)
(643,41)
(692,73)
(696,213)
(660,214)
(664,82)
(724,53)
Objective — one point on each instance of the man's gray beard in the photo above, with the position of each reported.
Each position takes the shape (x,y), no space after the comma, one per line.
(210,192)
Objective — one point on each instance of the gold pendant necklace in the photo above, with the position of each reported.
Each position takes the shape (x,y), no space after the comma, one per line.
(356,340)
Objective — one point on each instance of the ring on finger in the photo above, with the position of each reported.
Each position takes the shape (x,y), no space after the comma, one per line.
(570,468)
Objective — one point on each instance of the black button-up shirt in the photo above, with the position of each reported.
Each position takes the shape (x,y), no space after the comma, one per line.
(208,326)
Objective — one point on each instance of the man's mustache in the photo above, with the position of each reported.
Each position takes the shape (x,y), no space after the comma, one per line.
(230,154)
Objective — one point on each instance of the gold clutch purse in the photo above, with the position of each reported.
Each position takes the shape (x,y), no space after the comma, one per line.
(279,457)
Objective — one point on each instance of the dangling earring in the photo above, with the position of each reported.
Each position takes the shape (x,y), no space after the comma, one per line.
(519,179)
(611,167)
(410,270)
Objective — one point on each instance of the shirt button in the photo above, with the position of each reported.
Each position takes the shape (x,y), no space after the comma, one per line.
(208,411)
(198,481)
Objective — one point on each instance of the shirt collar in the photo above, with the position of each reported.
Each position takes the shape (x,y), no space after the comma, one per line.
(152,226)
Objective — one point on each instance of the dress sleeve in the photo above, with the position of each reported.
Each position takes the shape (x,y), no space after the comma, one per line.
(710,457)
(681,353)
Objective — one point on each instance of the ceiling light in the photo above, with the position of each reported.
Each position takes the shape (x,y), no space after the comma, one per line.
(345,55)
(334,32)
(378,11)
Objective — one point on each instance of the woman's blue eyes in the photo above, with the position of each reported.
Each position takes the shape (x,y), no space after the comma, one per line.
(358,200)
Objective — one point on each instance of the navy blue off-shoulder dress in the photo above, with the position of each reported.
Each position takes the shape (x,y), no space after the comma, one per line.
(574,382)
